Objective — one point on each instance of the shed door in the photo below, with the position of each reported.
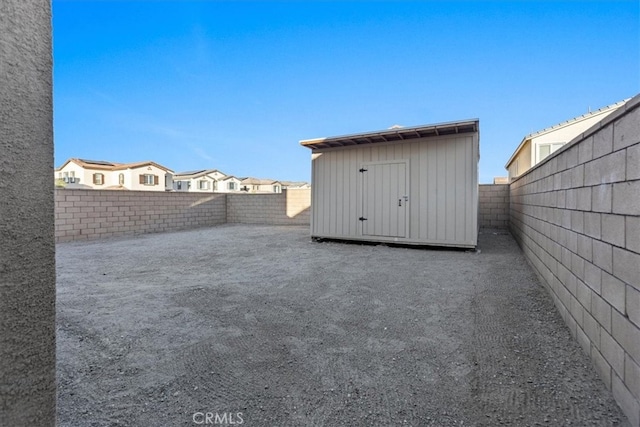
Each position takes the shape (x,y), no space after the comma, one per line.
(384,199)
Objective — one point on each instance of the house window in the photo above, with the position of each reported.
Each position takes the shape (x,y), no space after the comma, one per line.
(179,185)
(231,185)
(276,188)
(203,185)
(121,179)
(544,150)
(215,185)
(148,179)
(98,178)
(69,177)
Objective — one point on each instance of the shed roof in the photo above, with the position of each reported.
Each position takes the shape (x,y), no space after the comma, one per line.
(394,134)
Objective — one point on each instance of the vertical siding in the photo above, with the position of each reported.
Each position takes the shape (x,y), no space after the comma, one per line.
(441,184)
(441,191)
(431,194)
(417,205)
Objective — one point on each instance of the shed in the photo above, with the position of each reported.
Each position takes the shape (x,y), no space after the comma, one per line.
(408,185)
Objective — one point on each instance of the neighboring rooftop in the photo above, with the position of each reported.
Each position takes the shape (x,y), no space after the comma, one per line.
(258,181)
(572,127)
(105,165)
(608,109)
(98,162)
(197,173)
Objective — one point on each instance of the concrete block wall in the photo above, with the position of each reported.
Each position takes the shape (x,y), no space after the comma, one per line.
(91,214)
(493,206)
(577,218)
(291,207)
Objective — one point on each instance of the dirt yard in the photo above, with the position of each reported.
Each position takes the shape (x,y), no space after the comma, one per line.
(259,326)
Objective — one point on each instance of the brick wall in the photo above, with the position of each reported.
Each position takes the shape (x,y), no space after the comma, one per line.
(494,206)
(289,207)
(577,218)
(90,214)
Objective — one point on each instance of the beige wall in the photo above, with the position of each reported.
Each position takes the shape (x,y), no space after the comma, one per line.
(223,186)
(527,157)
(576,216)
(92,214)
(521,162)
(134,182)
(80,178)
(494,206)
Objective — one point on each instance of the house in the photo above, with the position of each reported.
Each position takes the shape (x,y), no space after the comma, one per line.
(536,146)
(205,180)
(229,184)
(295,185)
(410,185)
(501,180)
(100,174)
(256,185)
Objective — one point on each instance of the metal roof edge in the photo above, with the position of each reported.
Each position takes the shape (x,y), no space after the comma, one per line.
(616,110)
(610,109)
(630,104)
(393,131)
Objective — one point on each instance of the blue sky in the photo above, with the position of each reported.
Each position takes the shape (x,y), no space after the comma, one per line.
(236,85)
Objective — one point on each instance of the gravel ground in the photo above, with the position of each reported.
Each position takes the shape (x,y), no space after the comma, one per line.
(257,325)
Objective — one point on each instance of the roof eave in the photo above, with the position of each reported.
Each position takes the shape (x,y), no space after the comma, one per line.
(394,135)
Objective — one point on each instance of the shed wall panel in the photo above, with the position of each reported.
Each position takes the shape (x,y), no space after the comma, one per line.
(442,186)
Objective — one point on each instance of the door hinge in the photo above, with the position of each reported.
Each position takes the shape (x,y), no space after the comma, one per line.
(363,170)
(362,218)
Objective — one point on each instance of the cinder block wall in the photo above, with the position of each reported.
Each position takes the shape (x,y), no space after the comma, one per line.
(577,218)
(90,214)
(494,206)
(289,207)
(27,249)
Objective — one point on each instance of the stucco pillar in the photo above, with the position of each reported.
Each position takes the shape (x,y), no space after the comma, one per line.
(27,249)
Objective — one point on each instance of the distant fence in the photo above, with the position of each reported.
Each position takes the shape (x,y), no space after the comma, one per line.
(494,206)
(290,207)
(91,214)
(576,217)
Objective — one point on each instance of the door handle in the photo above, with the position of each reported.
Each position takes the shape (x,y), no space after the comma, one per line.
(399,202)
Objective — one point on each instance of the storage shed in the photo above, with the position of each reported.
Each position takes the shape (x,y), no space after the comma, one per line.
(409,185)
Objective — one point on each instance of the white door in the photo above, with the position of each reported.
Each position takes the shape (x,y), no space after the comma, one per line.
(384,199)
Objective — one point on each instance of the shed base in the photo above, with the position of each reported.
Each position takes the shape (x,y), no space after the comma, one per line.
(396,243)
